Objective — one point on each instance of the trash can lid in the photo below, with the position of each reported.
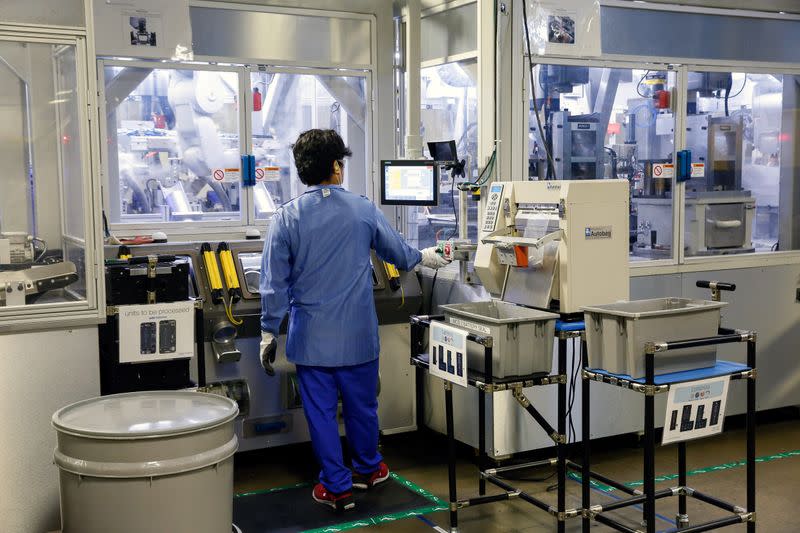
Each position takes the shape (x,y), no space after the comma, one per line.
(145,414)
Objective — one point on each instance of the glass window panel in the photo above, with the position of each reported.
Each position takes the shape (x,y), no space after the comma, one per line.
(602,123)
(285,105)
(449,101)
(173,138)
(741,130)
(42,207)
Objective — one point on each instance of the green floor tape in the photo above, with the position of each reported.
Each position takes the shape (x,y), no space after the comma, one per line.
(436,505)
(696,471)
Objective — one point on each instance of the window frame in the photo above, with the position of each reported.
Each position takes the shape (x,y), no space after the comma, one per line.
(247,219)
(138,228)
(677,238)
(472,56)
(680,262)
(92,309)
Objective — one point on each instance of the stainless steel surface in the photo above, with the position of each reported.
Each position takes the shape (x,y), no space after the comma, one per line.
(578,145)
(281,38)
(630,32)
(617,333)
(726,226)
(719,222)
(522,337)
(724,153)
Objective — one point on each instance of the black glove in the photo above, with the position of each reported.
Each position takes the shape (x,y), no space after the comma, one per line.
(268,349)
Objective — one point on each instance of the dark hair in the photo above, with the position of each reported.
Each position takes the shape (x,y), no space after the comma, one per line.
(314,154)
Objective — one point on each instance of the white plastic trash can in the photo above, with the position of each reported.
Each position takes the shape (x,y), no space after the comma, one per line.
(158,461)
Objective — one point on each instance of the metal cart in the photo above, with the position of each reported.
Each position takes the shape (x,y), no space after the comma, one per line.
(487,384)
(650,386)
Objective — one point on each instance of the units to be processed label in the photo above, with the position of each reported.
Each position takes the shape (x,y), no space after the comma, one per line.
(448,353)
(695,409)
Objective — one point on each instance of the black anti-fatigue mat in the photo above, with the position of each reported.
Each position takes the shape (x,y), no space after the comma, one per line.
(291,509)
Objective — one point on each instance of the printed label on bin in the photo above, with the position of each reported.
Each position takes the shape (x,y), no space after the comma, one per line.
(695,409)
(470,325)
(448,352)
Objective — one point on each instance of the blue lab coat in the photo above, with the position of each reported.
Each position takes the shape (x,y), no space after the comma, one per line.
(316,266)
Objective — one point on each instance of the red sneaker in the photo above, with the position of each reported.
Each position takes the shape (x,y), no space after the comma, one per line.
(366,481)
(340,502)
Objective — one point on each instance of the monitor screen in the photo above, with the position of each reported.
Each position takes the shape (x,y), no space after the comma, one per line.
(409,182)
(443,150)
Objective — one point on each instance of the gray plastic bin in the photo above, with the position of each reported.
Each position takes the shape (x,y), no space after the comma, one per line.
(522,337)
(617,333)
(147,461)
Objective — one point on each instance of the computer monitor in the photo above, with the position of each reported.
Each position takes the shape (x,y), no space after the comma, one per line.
(443,151)
(409,182)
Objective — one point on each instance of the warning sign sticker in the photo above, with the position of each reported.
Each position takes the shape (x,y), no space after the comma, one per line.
(663,170)
(226,175)
(698,170)
(268,173)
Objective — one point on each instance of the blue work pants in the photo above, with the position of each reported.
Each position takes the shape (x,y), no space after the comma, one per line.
(320,388)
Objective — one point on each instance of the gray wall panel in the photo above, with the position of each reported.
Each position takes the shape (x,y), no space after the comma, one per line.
(764,301)
(61,13)
(450,32)
(774,6)
(276,37)
(39,373)
(699,36)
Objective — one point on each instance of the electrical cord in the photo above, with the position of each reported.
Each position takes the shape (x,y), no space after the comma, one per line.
(646,72)
(533,88)
(433,284)
(43,250)
(744,82)
(229,312)
(576,365)
(483,177)
(728,92)
(613,161)
(455,211)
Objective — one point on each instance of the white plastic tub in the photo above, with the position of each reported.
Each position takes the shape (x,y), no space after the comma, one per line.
(522,337)
(616,334)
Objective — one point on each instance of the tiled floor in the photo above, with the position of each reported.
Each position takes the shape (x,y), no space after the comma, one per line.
(418,457)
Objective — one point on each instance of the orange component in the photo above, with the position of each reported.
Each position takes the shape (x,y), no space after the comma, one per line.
(662,101)
(521,253)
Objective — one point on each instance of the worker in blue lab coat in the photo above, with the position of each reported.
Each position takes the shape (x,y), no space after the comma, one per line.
(316,265)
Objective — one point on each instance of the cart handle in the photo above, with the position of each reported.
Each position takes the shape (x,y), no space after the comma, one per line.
(716,287)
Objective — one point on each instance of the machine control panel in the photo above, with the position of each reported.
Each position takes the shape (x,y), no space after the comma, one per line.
(493,207)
